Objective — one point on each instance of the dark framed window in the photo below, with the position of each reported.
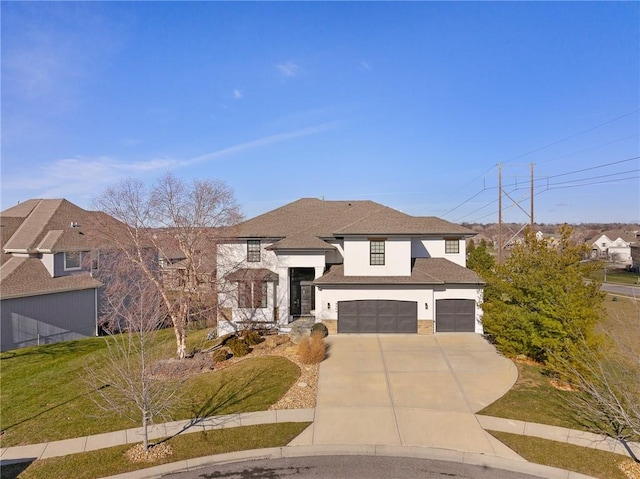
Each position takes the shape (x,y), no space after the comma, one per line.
(253,251)
(72,260)
(376,252)
(252,294)
(451,246)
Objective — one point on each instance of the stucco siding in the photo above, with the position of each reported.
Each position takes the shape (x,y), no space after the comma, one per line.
(48,318)
(397,257)
(435,248)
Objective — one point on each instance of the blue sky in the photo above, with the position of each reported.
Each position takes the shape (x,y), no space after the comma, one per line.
(409,104)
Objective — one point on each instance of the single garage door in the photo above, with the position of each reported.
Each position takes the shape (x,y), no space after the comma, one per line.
(377,316)
(455,315)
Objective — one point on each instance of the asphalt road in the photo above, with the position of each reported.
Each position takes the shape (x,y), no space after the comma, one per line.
(633,291)
(348,467)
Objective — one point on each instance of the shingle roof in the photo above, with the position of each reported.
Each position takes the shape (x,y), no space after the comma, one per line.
(423,271)
(613,235)
(301,241)
(24,276)
(326,219)
(48,222)
(252,274)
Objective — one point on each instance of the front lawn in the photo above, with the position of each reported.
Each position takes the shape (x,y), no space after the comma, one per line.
(533,399)
(617,276)
(43,397)
(110,461)
(592,462)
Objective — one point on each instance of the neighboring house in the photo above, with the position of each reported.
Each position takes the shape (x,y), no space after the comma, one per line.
(47,293)
(618,246)
(357,266)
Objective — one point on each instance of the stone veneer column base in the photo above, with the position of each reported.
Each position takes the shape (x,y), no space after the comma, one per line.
(425,326)
(332,325)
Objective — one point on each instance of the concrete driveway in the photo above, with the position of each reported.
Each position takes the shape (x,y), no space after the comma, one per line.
(409,390)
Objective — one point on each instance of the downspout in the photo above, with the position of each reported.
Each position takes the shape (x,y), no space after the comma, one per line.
(95,307)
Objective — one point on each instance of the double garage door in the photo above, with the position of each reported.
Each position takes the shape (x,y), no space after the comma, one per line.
(377,316)
(385,316)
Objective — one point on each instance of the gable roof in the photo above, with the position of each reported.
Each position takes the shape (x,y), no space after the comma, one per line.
(423,271)
(612,235)
(46,226)
(327,219)
(24,276)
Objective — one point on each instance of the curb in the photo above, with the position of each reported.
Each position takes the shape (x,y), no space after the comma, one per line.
(447,455)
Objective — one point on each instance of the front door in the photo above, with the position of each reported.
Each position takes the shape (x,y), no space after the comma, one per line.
(306,294)
(301,291)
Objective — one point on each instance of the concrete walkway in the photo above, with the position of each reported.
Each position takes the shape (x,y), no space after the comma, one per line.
(409,390)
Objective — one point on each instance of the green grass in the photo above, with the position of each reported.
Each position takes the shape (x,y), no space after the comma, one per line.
(617,276)
(110,461)
(533,399)
(43,397)
(584,460)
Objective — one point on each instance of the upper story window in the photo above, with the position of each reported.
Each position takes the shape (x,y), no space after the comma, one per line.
(451,246)
(253,251)
(376,252)
(72,261)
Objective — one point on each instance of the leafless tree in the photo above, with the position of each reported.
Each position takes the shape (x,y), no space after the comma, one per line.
(170,216)
(126,378)
(607,379)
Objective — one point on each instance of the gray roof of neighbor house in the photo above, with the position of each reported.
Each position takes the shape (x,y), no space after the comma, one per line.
(423,271)
(314,218)
(42,226)
(627,236)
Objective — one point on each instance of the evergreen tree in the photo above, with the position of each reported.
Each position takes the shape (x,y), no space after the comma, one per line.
(539,302)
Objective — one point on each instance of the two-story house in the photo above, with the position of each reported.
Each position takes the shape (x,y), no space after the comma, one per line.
(617,246)
(357,266)
(47,292)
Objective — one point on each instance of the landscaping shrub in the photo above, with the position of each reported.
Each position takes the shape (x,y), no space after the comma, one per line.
(220,355)
(252,337)
(311,349)
(238,347)
(321,329)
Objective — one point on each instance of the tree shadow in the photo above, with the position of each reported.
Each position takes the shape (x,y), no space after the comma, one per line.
(12,469)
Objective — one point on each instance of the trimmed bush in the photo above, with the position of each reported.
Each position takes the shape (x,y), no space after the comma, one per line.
(252,337)
(238,347)
(311,349)
(220,355)
(321,329)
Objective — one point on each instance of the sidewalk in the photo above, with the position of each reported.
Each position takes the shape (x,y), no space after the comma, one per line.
(131,436)
(31,452)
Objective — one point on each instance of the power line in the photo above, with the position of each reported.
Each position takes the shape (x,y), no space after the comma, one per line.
(588,149)
(572,136)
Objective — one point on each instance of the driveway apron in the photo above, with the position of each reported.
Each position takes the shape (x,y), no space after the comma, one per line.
(410,390)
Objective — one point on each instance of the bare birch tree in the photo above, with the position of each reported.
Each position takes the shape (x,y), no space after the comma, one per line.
(607,379)
(172,214)
(126,379)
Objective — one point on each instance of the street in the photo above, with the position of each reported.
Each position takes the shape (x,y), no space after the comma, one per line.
(348,467)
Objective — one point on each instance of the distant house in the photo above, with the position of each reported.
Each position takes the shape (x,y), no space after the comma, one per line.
(47,292)
(618,246)
(357,266)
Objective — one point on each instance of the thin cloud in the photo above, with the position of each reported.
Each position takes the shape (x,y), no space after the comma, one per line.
(288,69)
(365,65)
(267,140)
(83,177)
(237,94)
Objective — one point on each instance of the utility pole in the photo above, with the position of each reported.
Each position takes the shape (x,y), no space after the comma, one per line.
(532,196)
(515,202)
(500,213)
